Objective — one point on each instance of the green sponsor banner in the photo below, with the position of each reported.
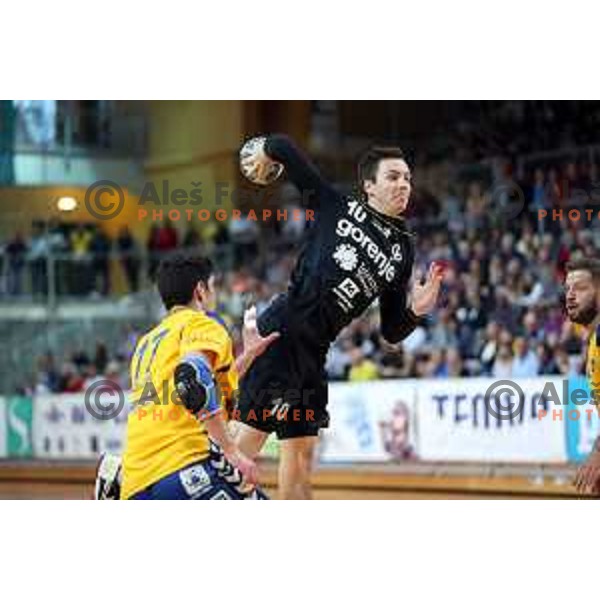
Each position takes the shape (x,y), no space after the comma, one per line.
(19,426)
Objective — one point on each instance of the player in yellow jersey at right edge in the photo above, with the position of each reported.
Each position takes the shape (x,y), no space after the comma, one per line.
(582,291)
(183,375)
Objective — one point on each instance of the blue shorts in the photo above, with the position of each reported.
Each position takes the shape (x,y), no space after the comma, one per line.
(211,479)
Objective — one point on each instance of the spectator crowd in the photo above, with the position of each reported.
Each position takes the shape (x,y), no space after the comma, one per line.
(501,312)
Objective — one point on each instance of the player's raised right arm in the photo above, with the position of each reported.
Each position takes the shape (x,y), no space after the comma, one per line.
(299,168)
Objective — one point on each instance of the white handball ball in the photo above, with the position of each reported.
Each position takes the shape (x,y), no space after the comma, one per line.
(255,165)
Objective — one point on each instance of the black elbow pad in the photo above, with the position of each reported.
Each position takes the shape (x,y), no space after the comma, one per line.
(195,384)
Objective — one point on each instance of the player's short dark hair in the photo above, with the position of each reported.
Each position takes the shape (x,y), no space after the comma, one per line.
(370,159)
(591,265)
(179,274)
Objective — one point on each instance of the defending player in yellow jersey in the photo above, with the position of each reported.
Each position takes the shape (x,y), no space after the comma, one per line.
(582,289)
(183,375)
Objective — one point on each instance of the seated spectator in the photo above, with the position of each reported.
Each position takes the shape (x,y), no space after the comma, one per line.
(489,347)
(115,374)
(394,363)
(338,360)
(454,363)
(101,357)
(129,256)
(70,379)
(48,378)
(362,368)
(437,366)
(416,340)
(191,238)
(100,249)
(78,268)
(525,362)
(503,365)
(39,247)
(15,253)
(244,234)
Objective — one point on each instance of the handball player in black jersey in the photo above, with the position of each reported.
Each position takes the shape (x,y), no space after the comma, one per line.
(354,252)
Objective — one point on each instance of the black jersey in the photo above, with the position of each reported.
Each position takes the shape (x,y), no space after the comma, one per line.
(350,256)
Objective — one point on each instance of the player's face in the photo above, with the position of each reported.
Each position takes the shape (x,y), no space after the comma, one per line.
(207,294)
(581,297)
(390,191)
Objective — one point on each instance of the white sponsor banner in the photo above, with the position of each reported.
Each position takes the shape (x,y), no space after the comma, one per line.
(64,429)
(370,421)
(3,435)
(377,421)
(454,425)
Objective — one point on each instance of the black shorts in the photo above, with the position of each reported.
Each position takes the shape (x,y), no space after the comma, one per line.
(285,391)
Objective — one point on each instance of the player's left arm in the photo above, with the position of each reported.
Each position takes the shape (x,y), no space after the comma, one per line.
(210,339)
(400,318)
(197,388)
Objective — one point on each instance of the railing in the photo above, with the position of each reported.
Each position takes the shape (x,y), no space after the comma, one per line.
(60,276)
(58,301)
